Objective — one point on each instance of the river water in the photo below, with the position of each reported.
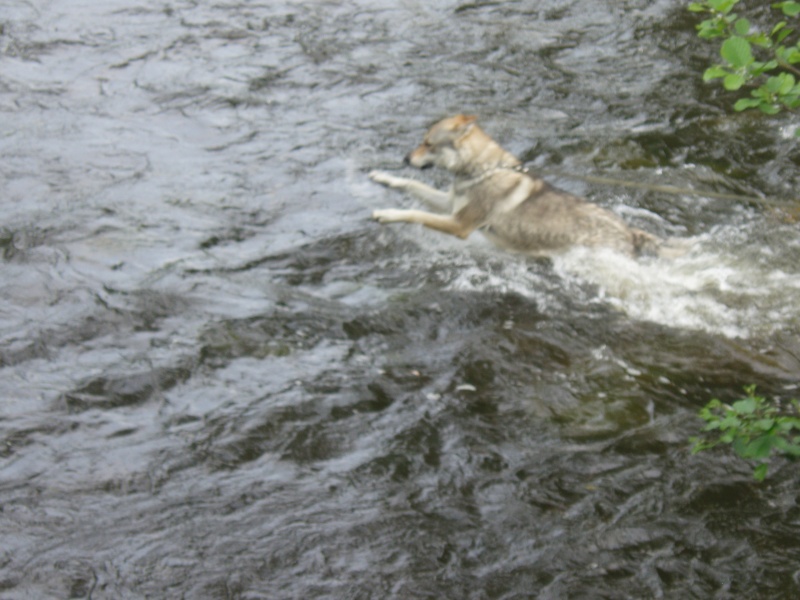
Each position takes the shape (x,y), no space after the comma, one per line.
(220,379)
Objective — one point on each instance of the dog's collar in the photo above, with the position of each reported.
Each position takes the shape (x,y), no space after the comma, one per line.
(520,168)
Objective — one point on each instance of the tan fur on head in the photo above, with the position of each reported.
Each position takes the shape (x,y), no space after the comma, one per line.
(465,119)
(454,143)
(459,122)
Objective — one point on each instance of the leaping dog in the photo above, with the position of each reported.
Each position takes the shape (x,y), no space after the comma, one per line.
(495,195)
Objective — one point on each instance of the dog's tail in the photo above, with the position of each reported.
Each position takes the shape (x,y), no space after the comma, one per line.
(647,244)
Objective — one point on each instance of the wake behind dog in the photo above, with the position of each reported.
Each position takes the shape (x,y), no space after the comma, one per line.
(492,193)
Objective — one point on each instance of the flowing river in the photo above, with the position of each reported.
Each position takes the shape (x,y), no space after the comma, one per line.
(220,379)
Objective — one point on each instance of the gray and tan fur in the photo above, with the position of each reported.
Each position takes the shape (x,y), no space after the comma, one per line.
(493,194)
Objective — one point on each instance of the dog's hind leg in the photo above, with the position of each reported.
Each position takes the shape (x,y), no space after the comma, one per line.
(436,199)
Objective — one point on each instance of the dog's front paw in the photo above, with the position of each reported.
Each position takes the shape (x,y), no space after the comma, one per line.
(386,179)
(387,215)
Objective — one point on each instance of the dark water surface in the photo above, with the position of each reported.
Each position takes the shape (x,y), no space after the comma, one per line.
(221,380)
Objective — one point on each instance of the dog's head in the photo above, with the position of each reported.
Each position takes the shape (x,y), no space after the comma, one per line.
(443,143)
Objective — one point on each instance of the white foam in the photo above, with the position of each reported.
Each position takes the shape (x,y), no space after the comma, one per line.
(703,290)
(708,289)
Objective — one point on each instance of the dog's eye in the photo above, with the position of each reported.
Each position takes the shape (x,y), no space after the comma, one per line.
(437,139)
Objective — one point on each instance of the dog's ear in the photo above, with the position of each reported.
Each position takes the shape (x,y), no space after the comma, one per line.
(464,120)
(464,125)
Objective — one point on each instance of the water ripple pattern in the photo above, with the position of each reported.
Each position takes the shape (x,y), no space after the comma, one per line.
(220,379)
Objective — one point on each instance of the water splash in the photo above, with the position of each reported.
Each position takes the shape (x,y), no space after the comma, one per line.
(720,286)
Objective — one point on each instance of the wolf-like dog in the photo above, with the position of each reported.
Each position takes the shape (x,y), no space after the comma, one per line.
(494,194)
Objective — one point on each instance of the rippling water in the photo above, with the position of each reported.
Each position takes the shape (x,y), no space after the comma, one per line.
(221,380)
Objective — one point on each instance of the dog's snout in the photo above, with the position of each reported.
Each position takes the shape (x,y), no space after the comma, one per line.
(420,157)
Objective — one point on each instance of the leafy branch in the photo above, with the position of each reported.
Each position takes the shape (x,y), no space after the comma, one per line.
(753,426)
(753,58)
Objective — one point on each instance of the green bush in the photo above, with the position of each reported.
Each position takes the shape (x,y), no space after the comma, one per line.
(756,60)
(754,427)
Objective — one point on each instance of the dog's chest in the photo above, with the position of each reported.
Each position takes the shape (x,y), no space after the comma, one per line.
(511,198)
(496,196)
(459,200)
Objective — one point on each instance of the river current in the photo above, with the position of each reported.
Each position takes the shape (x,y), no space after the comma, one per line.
(220,379)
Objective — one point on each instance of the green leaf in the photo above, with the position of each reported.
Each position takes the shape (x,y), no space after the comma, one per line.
(770,65)
(780,25)
(783,34)
(710,29)
(779,32)
(790,9)
(759,447)
(757,68)
(787,55)
(773,84)
(769,109)
(742,26)
(740,446)
(745,407)
(714,72)
(745,103)
(780,84)
(723,6)
(729,422)
(733,81)
(791,102)
(760,472)
(764,424)
(737,52)
(787,83)
(750,390)
(786,424)
(762,93)
(761,40)
(697,7)
(787,447)
(700,445)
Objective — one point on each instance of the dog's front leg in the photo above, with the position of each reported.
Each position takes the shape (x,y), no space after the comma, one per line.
(437,199)
(443,223)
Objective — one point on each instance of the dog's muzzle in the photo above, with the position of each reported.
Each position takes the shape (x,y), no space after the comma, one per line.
(407,161)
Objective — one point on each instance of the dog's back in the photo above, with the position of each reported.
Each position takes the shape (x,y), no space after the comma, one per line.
(547,219)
